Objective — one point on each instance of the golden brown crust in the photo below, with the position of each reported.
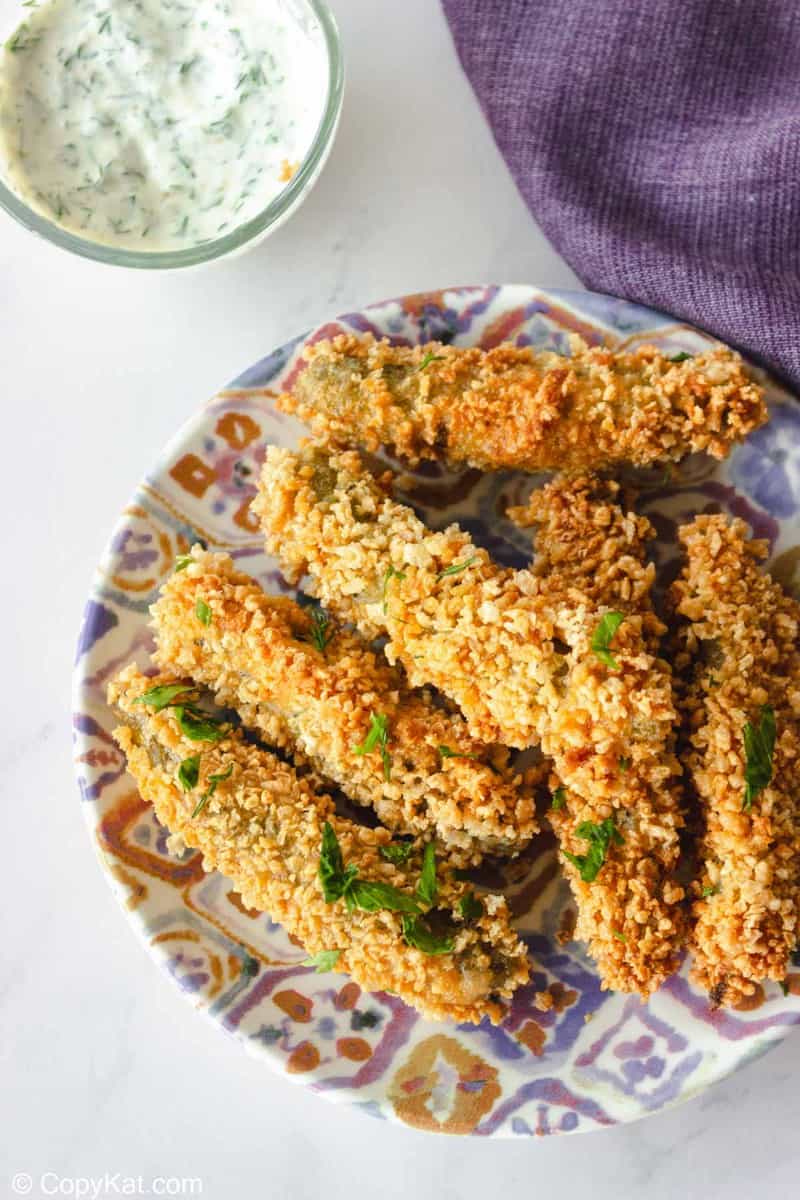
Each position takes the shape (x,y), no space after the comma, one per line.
(739,637)
(613,735)
(485,636)
(515,407)
(257,657)
(262,828)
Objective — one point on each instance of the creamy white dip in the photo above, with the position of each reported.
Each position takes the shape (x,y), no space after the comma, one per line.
(158,124)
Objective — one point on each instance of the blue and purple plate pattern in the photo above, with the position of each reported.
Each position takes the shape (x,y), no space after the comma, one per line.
(594,1058)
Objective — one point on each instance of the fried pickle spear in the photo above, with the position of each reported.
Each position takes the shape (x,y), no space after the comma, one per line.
(524,409)
(263,827)
(739,633)
(589,544)
(486,637)
(480,633)
(308,686)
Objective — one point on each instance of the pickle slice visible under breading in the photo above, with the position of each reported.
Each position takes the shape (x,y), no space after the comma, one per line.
(322,691)
(260,824)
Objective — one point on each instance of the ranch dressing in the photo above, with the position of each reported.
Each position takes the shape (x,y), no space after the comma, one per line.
(158,124)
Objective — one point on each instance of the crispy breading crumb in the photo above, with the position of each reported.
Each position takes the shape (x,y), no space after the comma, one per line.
(525,409)
(485,636)
(738,634)
(257,655)
(262,828)
(588,546)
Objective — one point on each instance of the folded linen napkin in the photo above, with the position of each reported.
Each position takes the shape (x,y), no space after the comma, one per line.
(658,146)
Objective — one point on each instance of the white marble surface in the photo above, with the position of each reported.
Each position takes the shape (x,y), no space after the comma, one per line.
(104,1066)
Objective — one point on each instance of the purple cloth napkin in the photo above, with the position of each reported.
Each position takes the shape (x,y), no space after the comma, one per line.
(658,145)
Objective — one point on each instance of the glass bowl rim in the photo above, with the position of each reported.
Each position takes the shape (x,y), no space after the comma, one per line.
(271,215)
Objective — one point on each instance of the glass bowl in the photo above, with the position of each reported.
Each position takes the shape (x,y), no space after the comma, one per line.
(245,235)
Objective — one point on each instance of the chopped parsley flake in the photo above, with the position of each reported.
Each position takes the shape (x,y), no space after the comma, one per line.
(603,636)
(321,629)
(189,772)
(397,852)
(213,780)
(600,837)
(559,798)
(759,744)
(202,611)
(163,696)
(376,739)
(324,961)
(391,574)
(456,567)
(428,358)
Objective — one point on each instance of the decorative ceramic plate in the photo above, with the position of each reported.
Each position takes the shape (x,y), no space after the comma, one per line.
(595,1058)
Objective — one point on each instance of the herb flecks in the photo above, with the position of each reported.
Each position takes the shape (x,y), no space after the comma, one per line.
(759,745)
(322,629)
(341,882)
(163,696)
(558,798)
(391,573)
(603,636)
(680,357)
(182,562)
(189,772)
(470,907)
(213,780)
(428,358)
(324,960)
(377,739)
(197,726)
(202,611)
(456,567)
(428,888)
(600,837)
(397,853)
(417,933)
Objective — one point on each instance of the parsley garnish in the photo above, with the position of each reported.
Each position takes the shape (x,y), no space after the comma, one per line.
(446,752)
(397,852)
(428,358)
(599,838)
(624,765)
(784,987)
(759,743)
(182,562)
(602,637)
(559,798)
(321,633)
(391,574)
(342,883)
(680,357)
(197,726)
(372,895)
(619,936)
(427,888)
(454,568)
(202,612)
(213,780)
(418,935)
(189,772)
(709,890)
(377,738)
(333,875)
(324,961)
(470,906)
(162,696)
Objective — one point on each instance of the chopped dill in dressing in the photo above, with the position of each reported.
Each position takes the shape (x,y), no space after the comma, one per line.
(158,124)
